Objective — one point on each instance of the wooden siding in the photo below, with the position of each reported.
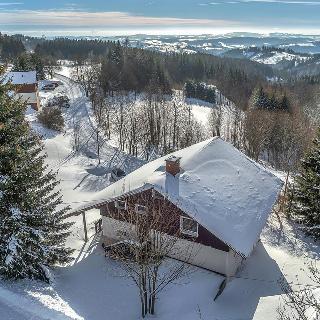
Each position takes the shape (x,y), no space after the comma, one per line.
(27,88)
(204,236)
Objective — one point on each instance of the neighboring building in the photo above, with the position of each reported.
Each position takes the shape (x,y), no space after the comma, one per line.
(221,200)
(26,85)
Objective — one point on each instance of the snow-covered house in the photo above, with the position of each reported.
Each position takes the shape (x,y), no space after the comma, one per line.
(26,86)
(222,200)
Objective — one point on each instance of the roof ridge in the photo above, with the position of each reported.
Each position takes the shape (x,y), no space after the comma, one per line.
(210,142)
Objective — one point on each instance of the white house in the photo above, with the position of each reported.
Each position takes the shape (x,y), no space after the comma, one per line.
(26,85)
(222,200)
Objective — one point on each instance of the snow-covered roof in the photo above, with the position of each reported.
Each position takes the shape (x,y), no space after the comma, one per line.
(17,77)
(221,188)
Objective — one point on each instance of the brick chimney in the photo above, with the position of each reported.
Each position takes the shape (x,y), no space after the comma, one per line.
(173,165)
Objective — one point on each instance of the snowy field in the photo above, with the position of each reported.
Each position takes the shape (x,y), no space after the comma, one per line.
(276,57)
(94,287)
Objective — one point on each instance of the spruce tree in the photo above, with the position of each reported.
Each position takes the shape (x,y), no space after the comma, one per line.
(259,99)
(189,89)
(211,95)
(284,104)
(273,103)
(305,204)
(30,62)
(32,226)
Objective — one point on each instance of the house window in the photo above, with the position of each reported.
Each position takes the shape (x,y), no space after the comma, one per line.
(121,204)
(188,226)
(140,209)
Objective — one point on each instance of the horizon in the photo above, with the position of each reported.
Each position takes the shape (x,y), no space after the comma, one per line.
(75,34)
(152,17)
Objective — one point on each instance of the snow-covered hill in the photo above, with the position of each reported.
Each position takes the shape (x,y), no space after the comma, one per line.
(296,53)
(270,56)
(280,59)
(218,44)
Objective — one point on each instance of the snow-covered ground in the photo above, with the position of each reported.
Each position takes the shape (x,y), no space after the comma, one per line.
(276,57)
(94,287)
(202,110)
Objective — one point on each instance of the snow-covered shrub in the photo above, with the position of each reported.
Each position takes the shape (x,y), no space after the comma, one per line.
(60,101)
(51,118)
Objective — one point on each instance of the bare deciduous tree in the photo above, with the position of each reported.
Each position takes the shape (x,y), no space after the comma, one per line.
(151,232)
(291,135)
(87,75)
(257,131)
(76,134)
(301,302)
(215,121)
(152,124)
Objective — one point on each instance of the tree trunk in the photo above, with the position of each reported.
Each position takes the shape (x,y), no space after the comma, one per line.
(153,294)
(98,147)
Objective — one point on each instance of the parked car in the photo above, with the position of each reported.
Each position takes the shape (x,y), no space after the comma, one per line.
(49,87)
(117,174)
(57,83)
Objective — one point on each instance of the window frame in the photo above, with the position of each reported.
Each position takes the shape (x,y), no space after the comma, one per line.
(194,234)
(138,211)
(121,207)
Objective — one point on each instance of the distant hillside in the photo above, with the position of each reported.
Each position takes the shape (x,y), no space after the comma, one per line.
(293,63)
(136,69)
(220,44)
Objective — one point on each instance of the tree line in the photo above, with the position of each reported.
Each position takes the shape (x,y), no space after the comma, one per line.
(200,90)
(127,68)
(270,99)
(10,47)
(30,62)
(73,49)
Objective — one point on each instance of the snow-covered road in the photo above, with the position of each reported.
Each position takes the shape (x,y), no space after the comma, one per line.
(79,172)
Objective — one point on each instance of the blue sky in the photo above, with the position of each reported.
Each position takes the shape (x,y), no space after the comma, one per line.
(103,17)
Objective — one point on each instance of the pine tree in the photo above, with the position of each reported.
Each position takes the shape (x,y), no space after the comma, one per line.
(30,62)
(260,99)
(32,226)
(273,103)
(211,95)
(22,63)
(284,104)
(305,204)
(189,89)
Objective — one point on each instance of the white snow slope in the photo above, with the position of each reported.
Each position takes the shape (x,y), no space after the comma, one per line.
(95,288)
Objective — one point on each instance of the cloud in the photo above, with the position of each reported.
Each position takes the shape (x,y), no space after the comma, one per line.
(10,3)
(76,19)
(289,2)
(282,2)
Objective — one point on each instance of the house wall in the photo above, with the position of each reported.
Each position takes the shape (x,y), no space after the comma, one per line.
(194,253)
(31,98)
(30,94)
(205,251)
(173,215)
(206,257)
